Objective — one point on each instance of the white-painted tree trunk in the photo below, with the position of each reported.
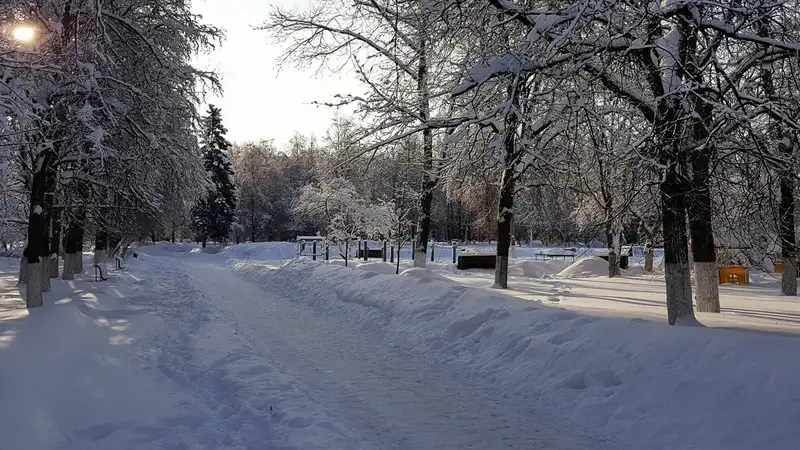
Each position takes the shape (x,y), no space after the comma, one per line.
(501,272)
(679,287)
(44,266)
(420,259)
(648,261)
(34,285)
(68,272)
(53,266)
(23,271)
(706,279)
(789,277)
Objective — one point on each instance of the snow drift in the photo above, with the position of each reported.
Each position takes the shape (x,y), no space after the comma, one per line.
(261,251)
(542,269)
(638,383)
(586,267)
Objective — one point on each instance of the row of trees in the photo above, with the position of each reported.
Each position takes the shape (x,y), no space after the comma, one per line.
(99,138)
(675,120)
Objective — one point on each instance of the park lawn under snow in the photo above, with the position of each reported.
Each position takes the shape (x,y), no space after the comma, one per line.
(230,349)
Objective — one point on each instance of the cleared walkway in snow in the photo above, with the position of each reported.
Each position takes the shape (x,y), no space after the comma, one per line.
(386,397)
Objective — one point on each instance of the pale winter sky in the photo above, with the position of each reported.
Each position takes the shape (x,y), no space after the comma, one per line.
(258,101)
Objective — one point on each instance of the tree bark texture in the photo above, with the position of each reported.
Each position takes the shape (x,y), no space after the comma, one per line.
(38,239)
(676,251)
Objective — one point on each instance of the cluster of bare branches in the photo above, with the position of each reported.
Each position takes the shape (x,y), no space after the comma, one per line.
(675,118)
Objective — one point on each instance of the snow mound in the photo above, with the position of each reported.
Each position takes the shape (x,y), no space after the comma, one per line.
(379,267)
(261,251)
(590,266)
(610,376)
(425,274)
(173,248)
(208,250)
(543,269)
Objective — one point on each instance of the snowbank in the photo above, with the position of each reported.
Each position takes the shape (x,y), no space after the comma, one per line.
(586,267)
(378,267)
(639,384)
(261,251)
(543,269)
(424,274)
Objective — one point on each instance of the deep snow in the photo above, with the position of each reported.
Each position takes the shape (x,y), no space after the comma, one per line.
(637,383)
(231,349)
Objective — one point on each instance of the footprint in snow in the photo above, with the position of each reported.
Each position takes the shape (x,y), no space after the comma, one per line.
(301,422)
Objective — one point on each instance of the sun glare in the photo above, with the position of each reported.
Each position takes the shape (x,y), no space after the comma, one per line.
(24,33)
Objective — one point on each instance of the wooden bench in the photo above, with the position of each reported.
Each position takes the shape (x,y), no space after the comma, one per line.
(476,261)
(733,275)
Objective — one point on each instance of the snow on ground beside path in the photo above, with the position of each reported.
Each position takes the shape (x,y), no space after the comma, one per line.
(642,384)
(541,269)
(144,361)
(378,267)
(586,267)
(69,379)
(261,251)
(424,274)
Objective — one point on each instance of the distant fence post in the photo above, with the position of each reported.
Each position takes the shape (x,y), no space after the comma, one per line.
(314,251)
(366,250)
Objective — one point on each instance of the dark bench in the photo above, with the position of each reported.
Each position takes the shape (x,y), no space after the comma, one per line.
(554,256)
(476,261)
(371,253)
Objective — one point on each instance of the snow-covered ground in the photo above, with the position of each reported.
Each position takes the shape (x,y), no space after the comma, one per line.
(236,349)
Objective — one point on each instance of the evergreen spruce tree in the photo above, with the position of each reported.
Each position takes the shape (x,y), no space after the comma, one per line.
(213,216)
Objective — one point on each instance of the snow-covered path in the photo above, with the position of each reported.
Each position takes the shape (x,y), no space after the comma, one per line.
(385,398)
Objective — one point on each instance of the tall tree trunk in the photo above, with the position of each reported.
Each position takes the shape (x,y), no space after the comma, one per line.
(114,240)
(23,267)
(614,269)
(706,273)
(505,213)
(428,176)
(699,200)
(55,243)
(38,232)
(100,245)
(676,252)
(786,219)
(505,216)
(787,225)
(648,259)
(72,249)
(79,249)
